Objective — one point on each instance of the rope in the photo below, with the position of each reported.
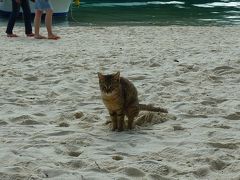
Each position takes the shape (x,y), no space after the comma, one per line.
(77,3)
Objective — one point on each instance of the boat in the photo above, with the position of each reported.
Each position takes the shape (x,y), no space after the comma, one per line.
(60,7)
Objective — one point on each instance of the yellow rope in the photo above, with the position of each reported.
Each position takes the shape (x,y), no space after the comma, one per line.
(77,2)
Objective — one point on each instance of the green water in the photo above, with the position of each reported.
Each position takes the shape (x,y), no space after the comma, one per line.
(140,12)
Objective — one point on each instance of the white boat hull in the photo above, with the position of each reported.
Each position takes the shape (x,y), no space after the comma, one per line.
(60,7)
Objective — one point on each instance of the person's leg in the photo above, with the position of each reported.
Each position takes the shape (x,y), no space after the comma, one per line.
(27,17)
(12,18)
(48,22)
(37,24)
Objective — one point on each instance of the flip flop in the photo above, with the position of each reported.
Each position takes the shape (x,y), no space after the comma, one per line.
(40,37)
(30,35)
(12,35)
(54,38)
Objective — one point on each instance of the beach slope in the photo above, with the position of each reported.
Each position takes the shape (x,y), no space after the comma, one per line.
(52,119)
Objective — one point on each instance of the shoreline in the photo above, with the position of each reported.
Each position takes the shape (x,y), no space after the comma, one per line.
(65,22)
(52,117)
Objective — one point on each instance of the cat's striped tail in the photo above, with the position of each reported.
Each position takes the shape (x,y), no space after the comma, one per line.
(148,107)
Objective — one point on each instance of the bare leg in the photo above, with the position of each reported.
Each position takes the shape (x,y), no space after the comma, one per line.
(48,21)
(37,24)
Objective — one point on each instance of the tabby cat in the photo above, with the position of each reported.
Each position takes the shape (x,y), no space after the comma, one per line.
(121,98)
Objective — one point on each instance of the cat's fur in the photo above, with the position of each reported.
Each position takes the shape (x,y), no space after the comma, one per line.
(121,98)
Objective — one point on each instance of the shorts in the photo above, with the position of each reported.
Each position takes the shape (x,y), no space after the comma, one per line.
(42,5)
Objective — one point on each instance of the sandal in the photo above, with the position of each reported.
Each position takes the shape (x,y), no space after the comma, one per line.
(53,37)
(30,35)
(39,37)
(12,35)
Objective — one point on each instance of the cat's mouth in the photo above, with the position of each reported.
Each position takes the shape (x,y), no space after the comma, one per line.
(109,93)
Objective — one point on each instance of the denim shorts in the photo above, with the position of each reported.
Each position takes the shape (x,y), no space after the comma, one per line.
(42,5)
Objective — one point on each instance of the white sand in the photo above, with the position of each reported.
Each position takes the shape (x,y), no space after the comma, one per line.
(45,85)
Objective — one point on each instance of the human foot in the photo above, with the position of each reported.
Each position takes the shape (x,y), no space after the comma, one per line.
(30,35)
(53,37)
(12,35)
(39,37)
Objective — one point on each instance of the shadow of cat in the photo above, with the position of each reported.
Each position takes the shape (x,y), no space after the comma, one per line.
(145,119)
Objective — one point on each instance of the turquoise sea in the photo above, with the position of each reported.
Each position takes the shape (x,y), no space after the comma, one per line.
(153,12)
(164,12)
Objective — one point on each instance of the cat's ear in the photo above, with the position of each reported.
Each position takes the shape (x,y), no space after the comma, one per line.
(117,76)
(100,76)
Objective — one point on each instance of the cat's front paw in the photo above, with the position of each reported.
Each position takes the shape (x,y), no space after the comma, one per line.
(120,129)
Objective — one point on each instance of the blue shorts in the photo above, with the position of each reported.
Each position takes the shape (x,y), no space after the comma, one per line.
(42,5)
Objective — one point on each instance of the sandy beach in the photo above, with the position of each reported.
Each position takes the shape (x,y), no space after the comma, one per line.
(52,119)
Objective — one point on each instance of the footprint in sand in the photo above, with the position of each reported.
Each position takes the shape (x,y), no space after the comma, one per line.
(221,126)
(216,164)
(24,120)
(215,79)
(156,167)
(213,101)
(20,91)
(117,158)
(155,64)
(224,70)
(233,116)
(30,122)
(223,145)
(191,115)
(157,177)
(2,123)
(63,124)
(50,173)
(178,127)
(201,172)
(78,115)
(39,114)
(61,133)
(185,68)
(133,172)
(74,153)
(26,59)
(14,175)
(30,78)
(13,73)
(76,164)
(182,81)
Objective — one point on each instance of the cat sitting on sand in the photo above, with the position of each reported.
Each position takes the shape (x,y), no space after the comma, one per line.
(120,97)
